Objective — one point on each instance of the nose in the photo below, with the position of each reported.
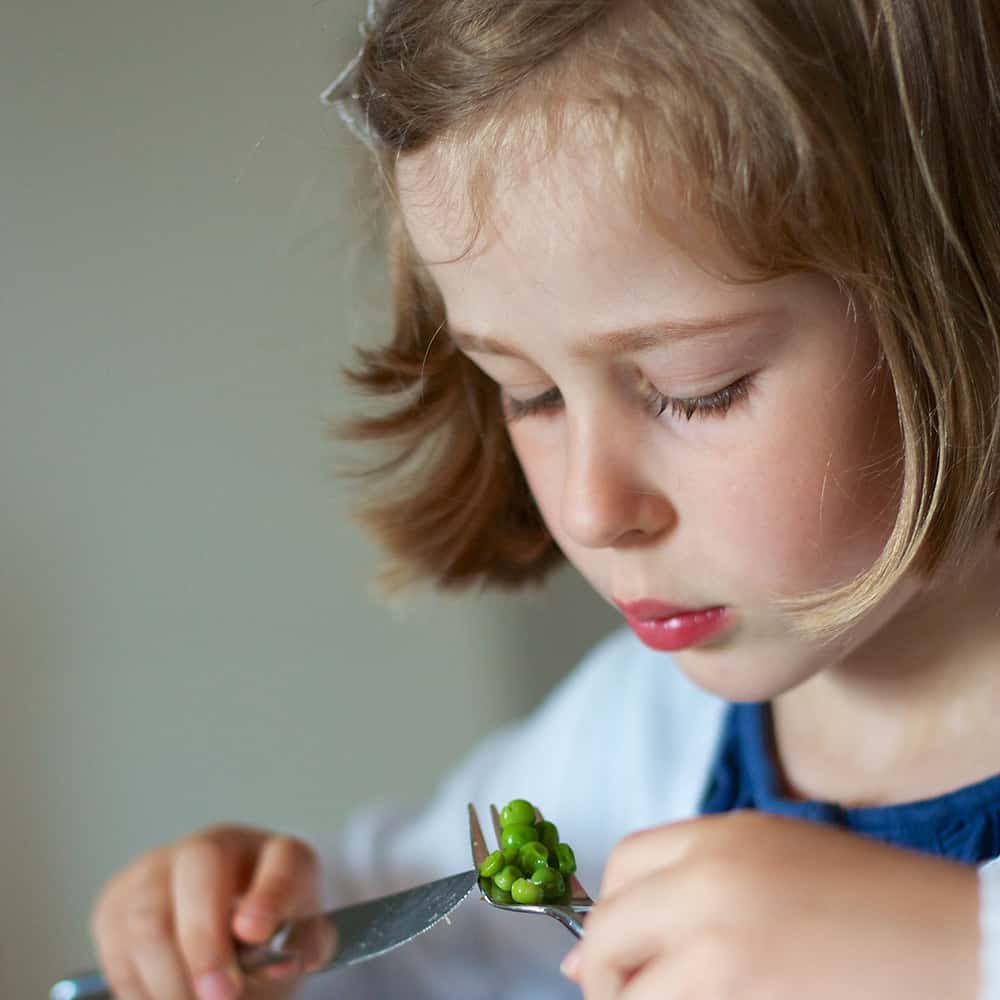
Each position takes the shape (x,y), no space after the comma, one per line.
(609,499)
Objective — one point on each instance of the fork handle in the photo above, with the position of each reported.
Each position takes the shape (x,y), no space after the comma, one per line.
(570,919)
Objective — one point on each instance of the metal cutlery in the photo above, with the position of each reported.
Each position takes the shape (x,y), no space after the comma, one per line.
(357,933)
(328,940)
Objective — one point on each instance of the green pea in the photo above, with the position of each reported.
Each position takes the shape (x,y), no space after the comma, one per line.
(506,877)
(547,834)
(558,887)
(532,855)
(510,855)
(524,891)
(497,895)
(492,863)
(517,812)
(516,836)
(566,859)
(550,881)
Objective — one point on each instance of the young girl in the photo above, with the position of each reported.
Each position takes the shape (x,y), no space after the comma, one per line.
(703,296)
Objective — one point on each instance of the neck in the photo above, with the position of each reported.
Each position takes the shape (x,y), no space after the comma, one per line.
(911,713)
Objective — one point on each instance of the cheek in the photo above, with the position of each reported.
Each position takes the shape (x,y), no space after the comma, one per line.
(799,505)
(540,453)
(818,500)
(539,447)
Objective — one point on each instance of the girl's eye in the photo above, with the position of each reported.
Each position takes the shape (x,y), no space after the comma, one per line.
(715,404)
(516,409)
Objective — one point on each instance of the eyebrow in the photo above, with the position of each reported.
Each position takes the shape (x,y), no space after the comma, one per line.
(630,341)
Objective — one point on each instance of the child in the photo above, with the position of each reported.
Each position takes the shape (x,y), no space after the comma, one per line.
(703,296)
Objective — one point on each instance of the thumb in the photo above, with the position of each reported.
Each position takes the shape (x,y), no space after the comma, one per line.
(284,884)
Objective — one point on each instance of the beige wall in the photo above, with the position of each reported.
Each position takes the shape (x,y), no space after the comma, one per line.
(186,628)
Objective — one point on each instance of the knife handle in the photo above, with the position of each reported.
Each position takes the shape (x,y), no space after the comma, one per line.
(86,986)
(93,986)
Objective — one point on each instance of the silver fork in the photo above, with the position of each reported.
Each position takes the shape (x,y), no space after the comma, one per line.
(568,913)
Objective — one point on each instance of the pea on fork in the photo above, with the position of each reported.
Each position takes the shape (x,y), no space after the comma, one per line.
(568,908)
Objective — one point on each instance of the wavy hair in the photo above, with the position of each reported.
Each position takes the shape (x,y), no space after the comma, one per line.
(855,138)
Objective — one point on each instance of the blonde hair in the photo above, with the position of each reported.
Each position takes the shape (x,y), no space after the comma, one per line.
(855,138)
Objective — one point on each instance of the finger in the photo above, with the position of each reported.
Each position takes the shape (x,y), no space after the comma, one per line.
(702,965)
(112,958)
(314,941)
(119,972)
(627,930)
(601,982)
(658,847)
(279,971)
(283,885)
(149,927)
(670,977)
(204,886)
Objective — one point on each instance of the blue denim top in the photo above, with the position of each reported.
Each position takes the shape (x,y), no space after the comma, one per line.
(963,825)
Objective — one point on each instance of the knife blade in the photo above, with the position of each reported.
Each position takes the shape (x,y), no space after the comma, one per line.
(336,938)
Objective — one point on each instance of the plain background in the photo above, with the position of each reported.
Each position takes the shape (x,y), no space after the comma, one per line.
(187,629)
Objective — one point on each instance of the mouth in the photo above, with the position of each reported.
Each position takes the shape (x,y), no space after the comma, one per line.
(671,627)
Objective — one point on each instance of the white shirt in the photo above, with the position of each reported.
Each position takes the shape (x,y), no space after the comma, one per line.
(624,742)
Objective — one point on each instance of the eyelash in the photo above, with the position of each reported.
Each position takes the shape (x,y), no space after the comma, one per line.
(715,404)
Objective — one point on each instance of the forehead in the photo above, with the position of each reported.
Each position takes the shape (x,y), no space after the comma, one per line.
(559,229)
(528,178)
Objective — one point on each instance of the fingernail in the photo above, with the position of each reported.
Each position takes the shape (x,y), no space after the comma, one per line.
(571,963)
(254,911)
(255,919)
(216,986)
(282,970)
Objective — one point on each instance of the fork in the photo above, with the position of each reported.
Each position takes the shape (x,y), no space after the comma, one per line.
(568,913)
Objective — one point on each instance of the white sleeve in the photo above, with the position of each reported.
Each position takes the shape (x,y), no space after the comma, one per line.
(989,922)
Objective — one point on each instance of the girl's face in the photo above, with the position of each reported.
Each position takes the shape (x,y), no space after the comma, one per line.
(692,444)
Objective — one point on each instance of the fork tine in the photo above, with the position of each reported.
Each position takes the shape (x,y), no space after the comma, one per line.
(496,825)
(476,838)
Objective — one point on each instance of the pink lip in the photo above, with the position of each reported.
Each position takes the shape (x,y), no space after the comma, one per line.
(670,628)
(648,610)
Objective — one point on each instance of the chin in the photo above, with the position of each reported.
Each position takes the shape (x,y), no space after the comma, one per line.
(741,676)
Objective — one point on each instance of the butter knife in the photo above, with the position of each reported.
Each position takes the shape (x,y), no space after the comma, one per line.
(328,940)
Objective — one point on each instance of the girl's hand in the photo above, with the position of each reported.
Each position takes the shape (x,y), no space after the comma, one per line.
(750,905)
(164,926)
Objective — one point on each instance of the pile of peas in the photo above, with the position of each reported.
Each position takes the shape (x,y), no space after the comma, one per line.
(531,865)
